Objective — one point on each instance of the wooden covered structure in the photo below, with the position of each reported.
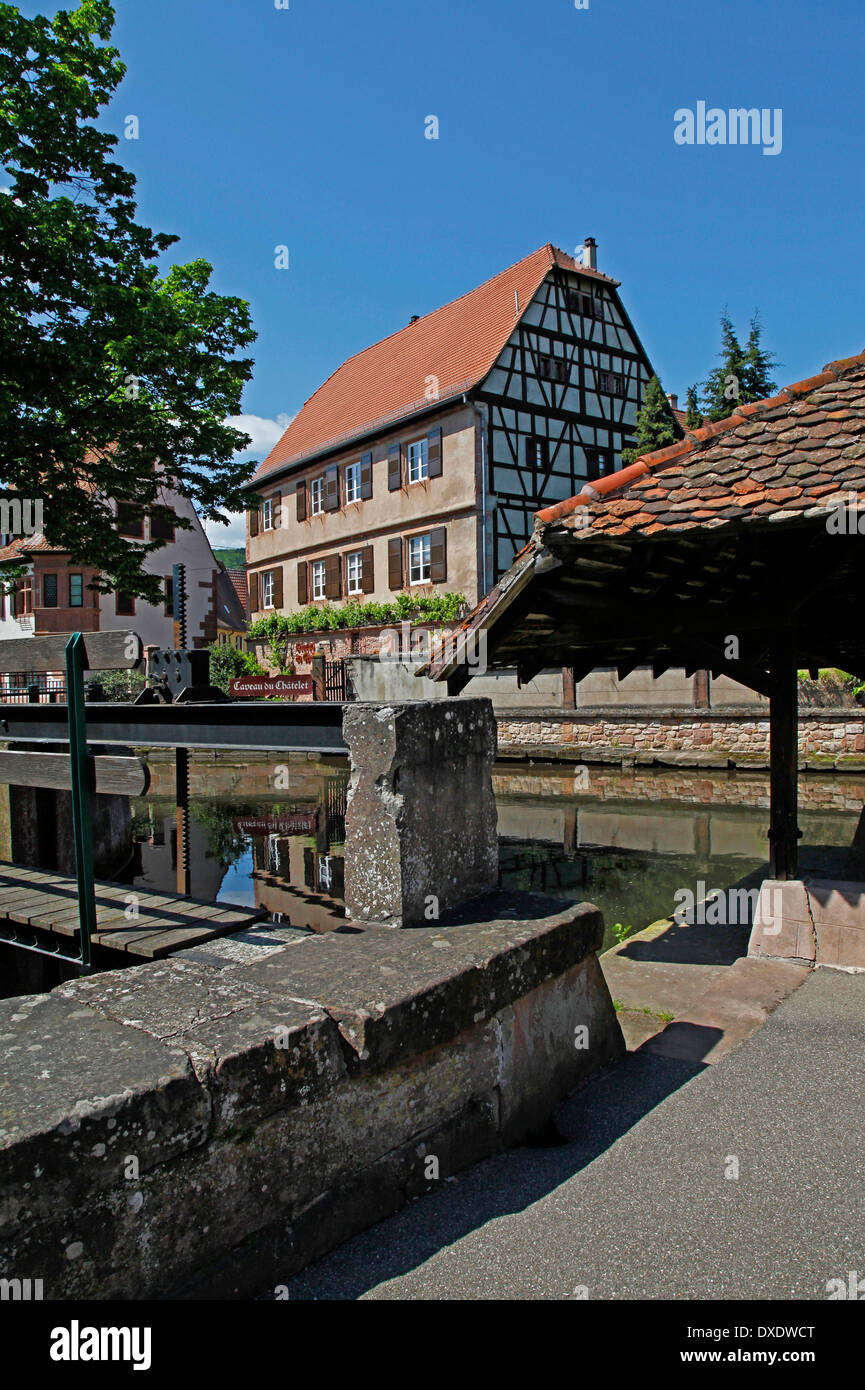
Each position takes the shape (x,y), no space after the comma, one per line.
(740,550)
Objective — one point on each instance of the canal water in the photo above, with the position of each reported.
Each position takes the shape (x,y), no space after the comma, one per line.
(272,834)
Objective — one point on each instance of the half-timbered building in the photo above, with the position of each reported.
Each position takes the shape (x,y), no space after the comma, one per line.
(419,464)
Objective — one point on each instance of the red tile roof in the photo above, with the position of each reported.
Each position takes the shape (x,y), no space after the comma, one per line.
(803,448)
(802,451)
(458,344)
(22,546)
(238,579)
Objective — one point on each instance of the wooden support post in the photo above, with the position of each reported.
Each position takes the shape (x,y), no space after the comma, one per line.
(318,691)
(784,759)
(569,688)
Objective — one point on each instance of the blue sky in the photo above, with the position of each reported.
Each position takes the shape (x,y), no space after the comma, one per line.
(305,127)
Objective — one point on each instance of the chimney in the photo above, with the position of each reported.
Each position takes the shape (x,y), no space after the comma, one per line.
(414,318)
(673,399)
(590,253)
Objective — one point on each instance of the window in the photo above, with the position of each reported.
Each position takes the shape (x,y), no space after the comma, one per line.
(578,302)
(612,383)
(316,497)
(354,572)
(317,569)
(325,873)
(168,595)
(267,514)
(419,559)
(267,589)
(76,591)
(418,461)
(352,483)
(162,528)
(49,591)
(537,453)
(124,605)
(553,368)
(130,520)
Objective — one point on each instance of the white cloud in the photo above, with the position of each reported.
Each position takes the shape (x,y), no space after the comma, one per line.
(265,433)
(231,535)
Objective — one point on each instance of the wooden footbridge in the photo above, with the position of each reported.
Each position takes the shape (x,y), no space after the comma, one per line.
(51,912)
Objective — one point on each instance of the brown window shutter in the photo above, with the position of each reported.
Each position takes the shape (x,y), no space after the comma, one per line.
(438,555)
(277,509)
(367,581)
(302,585)
(366,475)
(253,593)
(434,451)
(253,521)
(394,467)
(331,490)
(300,492)
(332,576)
(394,563)
(277,587)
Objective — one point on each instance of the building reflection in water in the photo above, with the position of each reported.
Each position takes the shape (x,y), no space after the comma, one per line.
(626,842)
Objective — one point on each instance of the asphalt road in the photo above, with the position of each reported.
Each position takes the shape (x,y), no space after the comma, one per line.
(637,1204)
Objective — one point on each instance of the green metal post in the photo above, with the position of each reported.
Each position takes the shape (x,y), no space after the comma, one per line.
(81,824)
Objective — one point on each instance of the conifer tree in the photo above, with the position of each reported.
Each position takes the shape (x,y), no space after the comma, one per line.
(745,373)
(693,418)
(656,427)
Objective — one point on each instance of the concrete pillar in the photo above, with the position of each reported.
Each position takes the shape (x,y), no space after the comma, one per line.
(420,825)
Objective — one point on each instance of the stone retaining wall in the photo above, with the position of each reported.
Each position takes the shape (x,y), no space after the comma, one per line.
(209,1124)
(828,740)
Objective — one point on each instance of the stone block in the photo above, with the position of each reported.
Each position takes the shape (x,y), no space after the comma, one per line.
(79,1095)
(254,1053)
(420,821)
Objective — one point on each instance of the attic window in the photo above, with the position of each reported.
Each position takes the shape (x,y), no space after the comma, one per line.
(537,453)
(578,302)
(611,383)
(553,368)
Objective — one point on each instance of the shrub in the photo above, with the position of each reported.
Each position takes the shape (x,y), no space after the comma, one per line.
(226,663)
(438,608)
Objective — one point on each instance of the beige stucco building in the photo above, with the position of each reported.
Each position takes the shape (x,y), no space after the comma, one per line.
(419,464)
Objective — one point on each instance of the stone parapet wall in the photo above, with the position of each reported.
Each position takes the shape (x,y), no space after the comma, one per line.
(827,740)
(209,1124)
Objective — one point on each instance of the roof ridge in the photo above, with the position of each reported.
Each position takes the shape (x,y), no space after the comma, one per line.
(439,308)
(600,488)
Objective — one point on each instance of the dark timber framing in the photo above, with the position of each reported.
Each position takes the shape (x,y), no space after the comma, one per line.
(576,419)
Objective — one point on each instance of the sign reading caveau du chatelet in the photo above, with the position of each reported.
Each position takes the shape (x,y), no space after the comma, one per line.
(254,687)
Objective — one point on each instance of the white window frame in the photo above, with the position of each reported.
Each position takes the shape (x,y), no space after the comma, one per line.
(352,482)
(317,573)
(418,461)
(325,873)
(267,589)
(267,514)
(316,496)
(354,572)
(420,558)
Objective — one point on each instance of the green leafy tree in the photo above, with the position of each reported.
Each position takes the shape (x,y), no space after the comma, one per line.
(693,418)
(744,373)
(656,427)
(115,381)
